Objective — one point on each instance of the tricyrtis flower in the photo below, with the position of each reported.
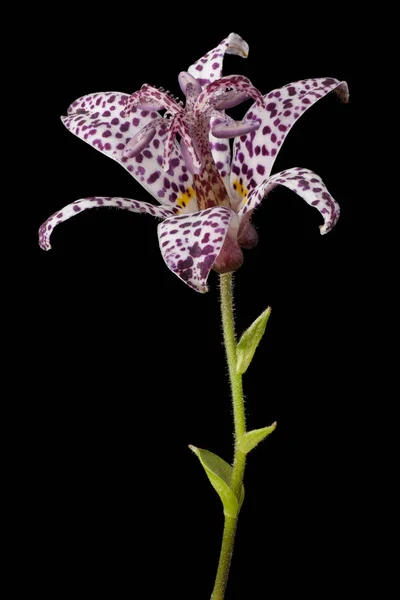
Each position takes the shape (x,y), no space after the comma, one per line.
(183,158)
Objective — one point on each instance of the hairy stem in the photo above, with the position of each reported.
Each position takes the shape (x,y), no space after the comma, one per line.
(239,461)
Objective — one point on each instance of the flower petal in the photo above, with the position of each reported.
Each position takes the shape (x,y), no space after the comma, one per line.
(190,244)
(306,184)
(99,120)
(78,206)
(209,67)
(255,153)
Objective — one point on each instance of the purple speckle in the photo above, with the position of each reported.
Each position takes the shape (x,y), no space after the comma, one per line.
(153,177)
(235,169)
(206,265)
(185,264)
(260,169)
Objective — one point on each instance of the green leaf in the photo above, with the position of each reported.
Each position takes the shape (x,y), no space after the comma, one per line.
(250,340)
(250,439)
(219,473)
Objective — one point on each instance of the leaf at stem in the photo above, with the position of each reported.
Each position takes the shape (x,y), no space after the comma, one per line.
(250,340)
(250,439)
(219,472)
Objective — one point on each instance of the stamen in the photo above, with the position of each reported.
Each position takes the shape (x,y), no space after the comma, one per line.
(151,98)
(234,128)
(232,99)
(216,93)
(150,106)
(139,141)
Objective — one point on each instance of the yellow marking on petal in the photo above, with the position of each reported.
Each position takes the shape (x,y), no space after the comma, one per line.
(184,199)
(240,189)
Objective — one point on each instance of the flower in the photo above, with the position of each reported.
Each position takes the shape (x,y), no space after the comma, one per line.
(206,198)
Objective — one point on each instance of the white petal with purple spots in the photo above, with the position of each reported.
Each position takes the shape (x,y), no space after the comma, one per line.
(190,244)
(306,184)
(71,210)
(100,120)
(255,153)
(209,67)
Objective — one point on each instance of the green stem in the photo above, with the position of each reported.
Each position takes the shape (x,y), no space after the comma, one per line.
(239,460)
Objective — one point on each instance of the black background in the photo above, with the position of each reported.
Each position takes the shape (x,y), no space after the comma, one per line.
(127,362)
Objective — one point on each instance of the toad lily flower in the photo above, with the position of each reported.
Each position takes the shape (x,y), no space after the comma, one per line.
(206,198)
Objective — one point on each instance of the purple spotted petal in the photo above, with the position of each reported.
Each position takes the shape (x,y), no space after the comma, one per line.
(255,153)
(78,206)
(209,67)
(190,244)
(99,120)
(306,184)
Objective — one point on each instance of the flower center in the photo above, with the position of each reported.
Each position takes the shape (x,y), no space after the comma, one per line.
(207,182)
(192,124)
